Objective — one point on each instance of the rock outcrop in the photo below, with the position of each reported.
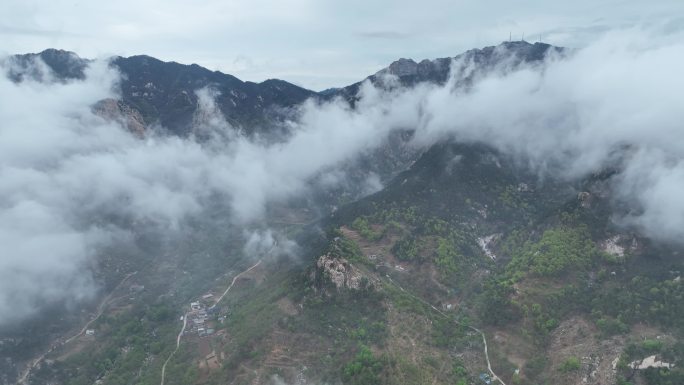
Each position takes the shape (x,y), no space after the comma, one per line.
(341,273)
(116,110)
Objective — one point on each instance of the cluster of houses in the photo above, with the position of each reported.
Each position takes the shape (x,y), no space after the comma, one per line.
(198,320)
(486,378)
(201,317)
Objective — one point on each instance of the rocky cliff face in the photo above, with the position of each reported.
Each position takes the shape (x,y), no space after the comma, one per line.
(341,273)
(435,70)
(116,110)
(403,67)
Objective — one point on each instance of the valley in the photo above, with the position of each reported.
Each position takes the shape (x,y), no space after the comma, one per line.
(364,235)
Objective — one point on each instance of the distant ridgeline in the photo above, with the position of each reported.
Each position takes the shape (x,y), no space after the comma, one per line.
(164,92)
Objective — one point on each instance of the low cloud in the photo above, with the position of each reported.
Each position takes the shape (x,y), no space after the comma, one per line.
(70,180)
(612,104)
(268,245)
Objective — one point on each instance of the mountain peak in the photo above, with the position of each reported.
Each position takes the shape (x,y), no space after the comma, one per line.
(403,67)
(64,64)
(57,53)
(436,69)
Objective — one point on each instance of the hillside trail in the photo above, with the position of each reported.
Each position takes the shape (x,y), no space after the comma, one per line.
(484,338)
(178,340)
(185,320)
(100,310)
(233,283)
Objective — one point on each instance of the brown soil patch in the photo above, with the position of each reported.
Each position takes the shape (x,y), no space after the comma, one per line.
(410,343)
(212,361)
(381,247)
(287,306)
(288,353)
(514,347)
(577,337)
(203,347)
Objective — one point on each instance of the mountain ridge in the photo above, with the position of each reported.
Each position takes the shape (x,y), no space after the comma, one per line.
(163,92)
(409,72)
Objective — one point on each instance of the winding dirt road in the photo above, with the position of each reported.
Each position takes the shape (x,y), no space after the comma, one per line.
(185,321)
(484,338)
(178,340)
(233,283)
(100,310)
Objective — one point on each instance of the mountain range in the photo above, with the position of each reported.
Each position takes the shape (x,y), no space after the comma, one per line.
(164,92)
(464,266)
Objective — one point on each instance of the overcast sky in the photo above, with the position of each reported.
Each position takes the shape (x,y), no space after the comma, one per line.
(313,43)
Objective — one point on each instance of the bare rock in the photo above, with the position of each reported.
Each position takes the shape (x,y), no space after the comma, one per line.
(341,273)
(116,110)
(403,67)
(585,199)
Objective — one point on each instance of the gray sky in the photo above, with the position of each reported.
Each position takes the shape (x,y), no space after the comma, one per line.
(314,43)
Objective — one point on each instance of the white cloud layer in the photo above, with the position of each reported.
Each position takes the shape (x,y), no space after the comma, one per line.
(65,172)
(618,99)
